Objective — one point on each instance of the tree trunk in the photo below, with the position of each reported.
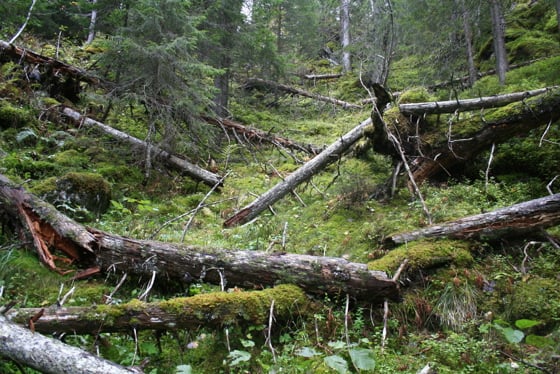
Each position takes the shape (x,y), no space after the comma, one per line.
(467,29)
(305,172)
(345,35)
(106,252)
(92,22)
(188,168)
(261,84)
(54,66)
(451,106)
(436,147)
(315,77)
(50,355)
(211,310)
(498,33)
(519,220)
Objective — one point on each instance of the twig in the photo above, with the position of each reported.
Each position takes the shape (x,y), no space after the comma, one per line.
(24,24)
(386,304)
(109,298)
(284,234)
(268,334)
(66,296)
(148,287)
(200,204)
(487,172)
(549,185)
(525,362)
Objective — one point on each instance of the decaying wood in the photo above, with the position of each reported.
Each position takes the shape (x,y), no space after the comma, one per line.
(211,310)
(262,84)
(439,147)
(524,219)
(50,355)
(322,76)
(187,167)
(316,275)
(53,65)
(452,106)
(305,172)
(256,135)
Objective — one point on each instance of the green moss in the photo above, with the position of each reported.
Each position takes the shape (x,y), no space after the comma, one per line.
(425,254)
(11,116)
(536,299)
(71,158)
(416,95)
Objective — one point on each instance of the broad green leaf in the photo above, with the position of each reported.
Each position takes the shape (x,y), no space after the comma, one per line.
(362,358)
(337,363)
(512,335)
(337,344)
(307,352)
(526,323)
(539,341)
(237,357)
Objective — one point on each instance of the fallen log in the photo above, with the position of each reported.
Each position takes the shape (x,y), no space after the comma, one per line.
(262,84)
(322,76)
(211,310)
(523,219)
(192,170)
(56,67)
(450,106)
(306,171)
(434,146)
(50,355)
(316,275)
(257,135)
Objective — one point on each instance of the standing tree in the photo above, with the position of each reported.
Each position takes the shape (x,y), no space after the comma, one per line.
(345,35)
(468,34)
(154,58)
(499,38)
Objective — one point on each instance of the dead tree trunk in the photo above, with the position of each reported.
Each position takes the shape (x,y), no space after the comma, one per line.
(530,217)
(100,251)
(50,355)
(212,310)
(315,77)
(310,168)
(257,135)
(188,168)
(436,145)
(451,106)
(261,84)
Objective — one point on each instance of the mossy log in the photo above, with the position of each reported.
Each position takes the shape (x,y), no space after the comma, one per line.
(265,85)
(259,136)
(102,251)
(305,172)
(50,355)
(435,145)
(450,106)
(192,170)
(524,219)
(213,310)
(55,66)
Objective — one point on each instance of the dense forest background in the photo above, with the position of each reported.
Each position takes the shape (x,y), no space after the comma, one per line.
(244,94)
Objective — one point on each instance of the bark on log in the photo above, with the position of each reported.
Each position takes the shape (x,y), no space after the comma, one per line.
(530,217)
(213,310)
(250,269)
(261,84)
(49,355)
(451,106)
(187,167)
(322,76)
(439,146)
(310,168)
(257,135)
(55,66)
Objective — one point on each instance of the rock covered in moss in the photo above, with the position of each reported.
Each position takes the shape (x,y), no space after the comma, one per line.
(75,192)
(536,299)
